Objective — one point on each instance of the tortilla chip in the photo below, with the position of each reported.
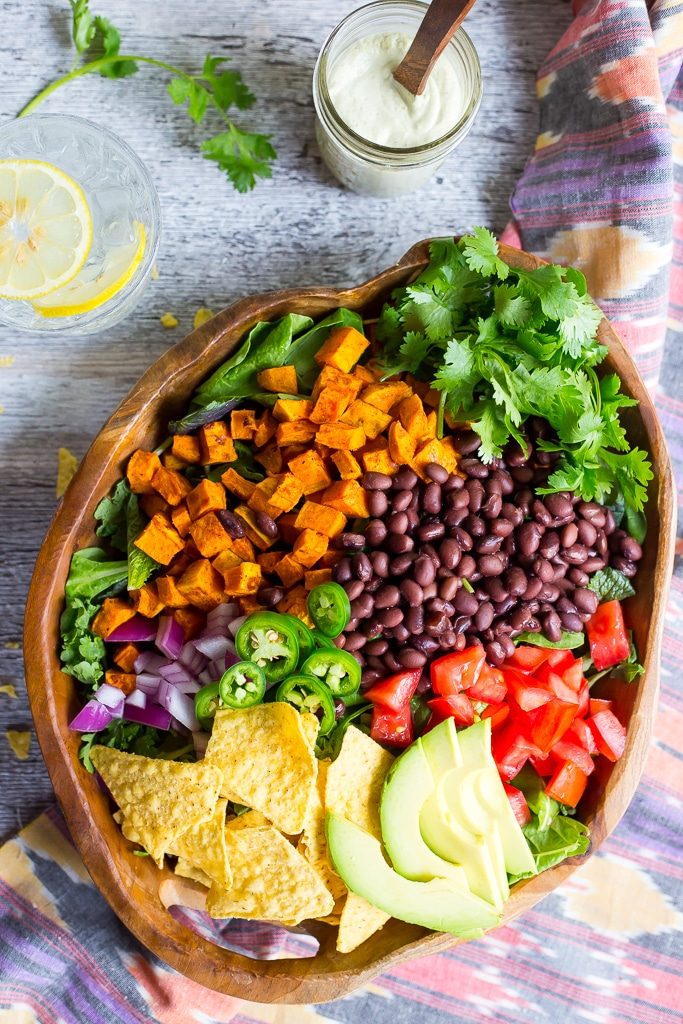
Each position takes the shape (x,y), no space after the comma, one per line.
(250,819)
(9,689)
(271,881)
(67,464)
(159,799)
(203,847)
(355,780)
(19,742)
(266,761)
(187,870)
(359,920)
(201,316)
(313,842)
(310,725)
(168,320)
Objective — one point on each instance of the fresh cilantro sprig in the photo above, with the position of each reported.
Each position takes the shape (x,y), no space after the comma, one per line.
(503,345)
(242,155)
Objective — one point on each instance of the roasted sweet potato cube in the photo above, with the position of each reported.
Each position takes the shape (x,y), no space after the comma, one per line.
(186,447)
(181,519)
(255,535)
(202,585)
(372,420)
(342,349)
(321,518)
(238,485)
(376,458)
(244,548)
(169,593)
(268,560)
(309,547)
(330,558)
(146,600)
(287,493)
(431,424)
(191,621)
(265,429)
(181,561)
(171,461)
(347,465)
(242,424)
(432,398)
(124,681)
(432,451)
(290,570)
(298,432)
(385,396)
(171,485)
(140,470)
(113,613)
(125,657)
(341,435)
(288,410)
(153,504)
(347,496)
(402,445)
(314,577)
(216,444)
(288,530)
(160,540)
(329,377)
(412,416)
(210,535)
(279,379)
(364,374)
(207,496)
(262,493)
(295,603)
(450,454)
(249,604)
(311,472)
(270,458)
(244,579)
(331,404)
(227,559)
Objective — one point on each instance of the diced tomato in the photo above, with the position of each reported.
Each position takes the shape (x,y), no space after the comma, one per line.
(609,733)
(573,674)
(490,686)
(457,706)
(583,697)
(396,691)
(567,784)
(392,727)
(456,672)
(545,766)
(560,660)
(599,705)
(607,636)
(518,804)
(434,720)
(559,689)
(528,658)
(550,723)
(521,688)
(511,749)
(567,750)
(582,734)
(497,713)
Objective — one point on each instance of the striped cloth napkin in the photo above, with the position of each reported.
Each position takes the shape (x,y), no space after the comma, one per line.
(603,190)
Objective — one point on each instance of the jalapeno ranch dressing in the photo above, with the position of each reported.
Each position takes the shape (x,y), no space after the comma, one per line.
(376,107)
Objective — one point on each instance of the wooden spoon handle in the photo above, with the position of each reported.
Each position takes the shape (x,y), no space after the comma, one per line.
(438,26)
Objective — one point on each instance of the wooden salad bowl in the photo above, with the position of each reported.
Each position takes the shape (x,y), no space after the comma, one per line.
(131,884)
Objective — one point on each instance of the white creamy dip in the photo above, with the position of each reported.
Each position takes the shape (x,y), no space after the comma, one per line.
(373,105)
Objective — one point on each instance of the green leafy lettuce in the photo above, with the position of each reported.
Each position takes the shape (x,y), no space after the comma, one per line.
(552,834)
(120,519)
(91,576)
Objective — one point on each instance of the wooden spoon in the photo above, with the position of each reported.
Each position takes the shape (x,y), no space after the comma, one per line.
(439,25)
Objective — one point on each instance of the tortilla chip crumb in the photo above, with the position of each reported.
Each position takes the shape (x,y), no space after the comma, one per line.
(154,273)
(7,360)
(12,645)
(67,464)
(201,316)
(19,742)
(168,320)
(9,690)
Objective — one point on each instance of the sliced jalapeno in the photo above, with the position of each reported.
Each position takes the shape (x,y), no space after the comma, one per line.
(307,693)
(270,641)
(304,636)
(329,607)
(339,670)
(332,745)
(322,642)
(206,704)
(242,685)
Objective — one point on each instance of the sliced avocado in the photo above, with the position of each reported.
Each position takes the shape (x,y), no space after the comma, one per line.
(406,787)
(437,904)
(444,833)
(442,749)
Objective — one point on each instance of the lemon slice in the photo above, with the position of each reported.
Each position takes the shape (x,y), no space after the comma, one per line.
(45,228)
(87,292)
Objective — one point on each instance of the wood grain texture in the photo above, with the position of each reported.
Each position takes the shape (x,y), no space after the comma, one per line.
(131,884)
(217,246)
(438,27)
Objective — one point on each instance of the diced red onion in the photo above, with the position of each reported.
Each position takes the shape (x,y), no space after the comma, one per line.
(176,673)
(219,617)
(148,683)
(236,623)
(136,699)
(180,728)
(191,686)
(214,647)
(169,637)
(149,661)
(219,666)
(91,718)
(153,715)
(207,677)
(192,659)
(110,696)
(178,704)
(201,741)
(136,630)
(117,712)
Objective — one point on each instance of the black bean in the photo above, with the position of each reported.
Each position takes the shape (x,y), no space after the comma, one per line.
(454,517)
(410,658)
(361,566)
(354,642)
(351,541)
(431,531)
(466,442)
(414,620)
(496,590)
(424,643)
(488,545)
(401,501)
(467,568)
(232,524)
(495,653)
(559,505)
(540,513)
(516,581)
(378,503)
(341,572)
(512,513)
(575,555)
(398,522)
(449,553)
(387,596)
(448,640)
(550,592)
(431,499)
(400,565)
(571,621)
(390,617)
(522,474)
(270,596)
(465,542)
(552,626)
(413,519)
(362,607)
(412,592)
(501,528)
(631,549)
(369,677)
(586,533)
(376,663)
(437,604)
(400,543)
(448,587)
(474,468)
(601,545)
(436,623)
(484,616)
(354,589)
(466,603)
(380,563)
(610,522)
(376,481)
(475,490)
(400,633)
(424,571)
(533,589)
(492,506)
(503,607)
(528,538)
(391,663)
(405,479)
(569,535)
(577,576)
(436,472)
(454,483)
(624,565)
(494,485)
(549,544)
(543,569)
(593,512)
(375,533)
(585,600)
(474,525)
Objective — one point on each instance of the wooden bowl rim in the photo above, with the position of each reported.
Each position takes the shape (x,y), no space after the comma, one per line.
(289,981)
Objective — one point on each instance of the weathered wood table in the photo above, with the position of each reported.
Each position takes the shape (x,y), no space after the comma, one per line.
(298,229)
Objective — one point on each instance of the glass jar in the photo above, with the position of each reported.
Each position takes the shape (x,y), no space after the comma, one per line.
(365,166)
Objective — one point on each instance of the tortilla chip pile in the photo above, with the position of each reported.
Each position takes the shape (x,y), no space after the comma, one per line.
(271,862)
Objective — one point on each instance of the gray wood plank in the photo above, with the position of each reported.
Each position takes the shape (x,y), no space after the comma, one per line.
(299,228)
